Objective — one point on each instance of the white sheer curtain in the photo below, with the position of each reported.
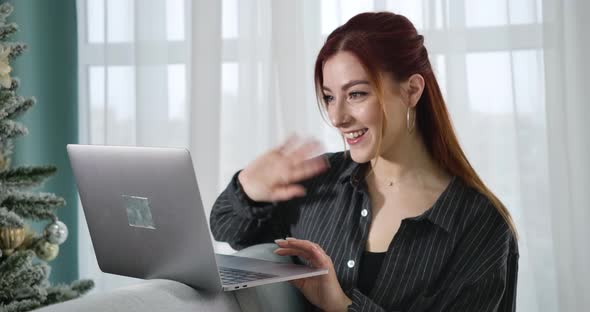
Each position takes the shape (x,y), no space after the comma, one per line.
(229,79)
(133,74)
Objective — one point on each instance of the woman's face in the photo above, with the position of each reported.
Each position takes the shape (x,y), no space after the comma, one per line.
(353,107)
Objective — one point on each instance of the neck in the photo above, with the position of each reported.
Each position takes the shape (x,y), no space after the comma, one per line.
(409,160)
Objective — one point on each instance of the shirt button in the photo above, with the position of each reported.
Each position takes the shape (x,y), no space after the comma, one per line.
(350,264)
(364,212)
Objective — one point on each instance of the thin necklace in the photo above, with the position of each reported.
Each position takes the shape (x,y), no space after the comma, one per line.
(391,183)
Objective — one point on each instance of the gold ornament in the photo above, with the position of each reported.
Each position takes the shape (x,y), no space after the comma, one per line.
(10,239)
(5,68)
(4,162)
(46,250)
(30,238)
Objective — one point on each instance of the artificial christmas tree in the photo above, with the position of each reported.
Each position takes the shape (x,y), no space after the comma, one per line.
(24,253)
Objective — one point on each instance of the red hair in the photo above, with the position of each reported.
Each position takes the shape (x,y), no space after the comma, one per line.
(388,43)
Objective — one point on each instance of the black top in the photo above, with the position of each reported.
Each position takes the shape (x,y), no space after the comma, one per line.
(368,270)
(459,255)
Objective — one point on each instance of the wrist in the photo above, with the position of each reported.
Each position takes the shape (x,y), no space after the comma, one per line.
(343,304)
(242,182)
(241,178)
(347,303)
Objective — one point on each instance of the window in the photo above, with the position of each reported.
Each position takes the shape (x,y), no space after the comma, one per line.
(112,55)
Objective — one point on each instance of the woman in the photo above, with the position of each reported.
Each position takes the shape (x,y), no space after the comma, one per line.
(402,221)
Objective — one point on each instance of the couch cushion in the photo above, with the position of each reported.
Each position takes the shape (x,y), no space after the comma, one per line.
(166,295)
(152,295)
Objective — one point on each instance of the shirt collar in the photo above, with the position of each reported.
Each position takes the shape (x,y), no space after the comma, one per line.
(443,212)
(353,172)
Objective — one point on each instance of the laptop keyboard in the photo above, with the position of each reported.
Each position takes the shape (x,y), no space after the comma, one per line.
(231,276)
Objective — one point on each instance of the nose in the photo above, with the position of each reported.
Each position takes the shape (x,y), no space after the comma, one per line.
(339,115)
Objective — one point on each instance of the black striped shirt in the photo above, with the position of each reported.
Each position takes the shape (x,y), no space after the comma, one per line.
(459,255)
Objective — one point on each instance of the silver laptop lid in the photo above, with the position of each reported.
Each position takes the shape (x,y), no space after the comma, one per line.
(145,214)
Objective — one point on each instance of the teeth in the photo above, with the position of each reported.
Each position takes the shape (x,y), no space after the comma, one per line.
(354,135)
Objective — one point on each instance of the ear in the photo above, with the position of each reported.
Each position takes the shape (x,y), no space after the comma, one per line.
(414,87)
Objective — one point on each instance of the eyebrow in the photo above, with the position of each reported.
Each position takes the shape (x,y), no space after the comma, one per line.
(348,84)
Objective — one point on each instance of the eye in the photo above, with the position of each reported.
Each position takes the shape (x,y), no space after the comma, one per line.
(328,99)
(357,95)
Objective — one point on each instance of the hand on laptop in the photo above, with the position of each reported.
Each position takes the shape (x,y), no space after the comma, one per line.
(323,291)
(273,176)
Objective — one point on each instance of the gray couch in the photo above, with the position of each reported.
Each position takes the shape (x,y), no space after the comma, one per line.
(166,295)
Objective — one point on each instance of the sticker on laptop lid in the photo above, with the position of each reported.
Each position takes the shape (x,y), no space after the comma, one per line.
(139,213)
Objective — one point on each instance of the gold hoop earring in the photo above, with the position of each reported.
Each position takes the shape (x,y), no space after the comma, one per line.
(413,123)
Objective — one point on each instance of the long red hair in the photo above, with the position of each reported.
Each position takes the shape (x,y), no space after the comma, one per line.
(385,42)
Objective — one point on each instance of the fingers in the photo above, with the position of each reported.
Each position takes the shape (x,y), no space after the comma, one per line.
(287,192)
(296,164)
(293,252)
(307,250)
(312,248)
(298,150)
(308,169)
(298,283)
(286,146)
(302,152)
(290,164)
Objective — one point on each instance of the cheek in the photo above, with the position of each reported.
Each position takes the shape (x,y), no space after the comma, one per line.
(369,114)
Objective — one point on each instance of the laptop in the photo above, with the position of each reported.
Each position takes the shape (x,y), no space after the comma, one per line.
(146,220)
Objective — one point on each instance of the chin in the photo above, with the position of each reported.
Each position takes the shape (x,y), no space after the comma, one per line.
(361,155)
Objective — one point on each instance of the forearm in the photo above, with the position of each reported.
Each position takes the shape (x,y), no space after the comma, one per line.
(240,222)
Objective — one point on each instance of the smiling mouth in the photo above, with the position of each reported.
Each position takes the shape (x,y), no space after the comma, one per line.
(356,136)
